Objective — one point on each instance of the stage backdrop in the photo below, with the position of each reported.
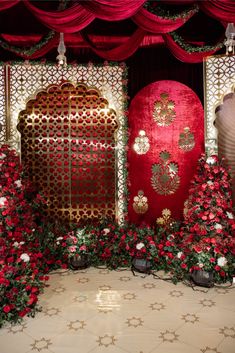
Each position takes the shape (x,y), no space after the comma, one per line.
(166,124)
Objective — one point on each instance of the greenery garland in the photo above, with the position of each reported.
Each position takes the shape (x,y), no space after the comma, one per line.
(162,11)
(28,51)
(193,48)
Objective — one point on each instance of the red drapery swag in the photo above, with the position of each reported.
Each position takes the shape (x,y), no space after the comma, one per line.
(82,13)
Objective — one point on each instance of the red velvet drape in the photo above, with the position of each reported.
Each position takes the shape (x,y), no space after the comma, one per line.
(223,10)
(81,13)
(70,20)
(6,4)
(182,54)
(156,24)
(112,10)
(121,52)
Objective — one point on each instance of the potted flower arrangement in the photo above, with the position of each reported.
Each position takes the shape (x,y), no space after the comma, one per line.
(76,246)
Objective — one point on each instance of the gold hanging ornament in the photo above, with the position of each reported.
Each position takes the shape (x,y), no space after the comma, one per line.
(186,140)
(165,179)
(141,145)
(140,204)
(164,112)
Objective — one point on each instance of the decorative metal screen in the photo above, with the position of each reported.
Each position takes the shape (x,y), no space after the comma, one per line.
(68,145)
(20,82)
(219,80)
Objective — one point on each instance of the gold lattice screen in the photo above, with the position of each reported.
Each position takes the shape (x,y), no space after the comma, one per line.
(20,82)
(68,145)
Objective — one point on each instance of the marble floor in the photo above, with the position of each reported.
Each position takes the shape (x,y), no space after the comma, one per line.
(97,310)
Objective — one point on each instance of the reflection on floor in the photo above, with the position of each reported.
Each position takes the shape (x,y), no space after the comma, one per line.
(97,310)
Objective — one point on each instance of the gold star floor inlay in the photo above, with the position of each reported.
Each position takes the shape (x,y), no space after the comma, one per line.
(103,311)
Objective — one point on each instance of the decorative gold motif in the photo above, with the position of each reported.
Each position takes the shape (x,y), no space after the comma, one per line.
(134,322)
(168,336)
(228,331)
(68,146)
(83,280)
(164,110)
(165,179)
(76,325)
(106,340)
(141,145)
(176,293)
(166,220)
(129,296)
(41,344)
(157,306)
(186,140)
(149,285)
(140,204)
(190,318)
(207,302)
(51,311)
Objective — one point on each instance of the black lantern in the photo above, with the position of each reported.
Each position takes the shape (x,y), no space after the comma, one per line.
(203,278)
(79,261)
(141,265)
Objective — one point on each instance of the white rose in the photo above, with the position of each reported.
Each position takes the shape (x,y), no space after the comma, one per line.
(211,160)
(210,182)
(230,215)
(18,183)
(2,201)
(25,257)
(218,226)
(59,238)
(222,261)
(2,155)
(179,254)
(106,230)
(16,244)
(139,246)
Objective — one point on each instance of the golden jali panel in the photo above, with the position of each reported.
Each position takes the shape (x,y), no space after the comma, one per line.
(164,110)
(20,82)
(68,145)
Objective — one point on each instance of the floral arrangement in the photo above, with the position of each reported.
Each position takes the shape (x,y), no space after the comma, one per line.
(208,233)
(110,244)
(22,268)
(30,246)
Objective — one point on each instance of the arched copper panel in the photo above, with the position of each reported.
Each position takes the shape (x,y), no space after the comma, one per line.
(68,146)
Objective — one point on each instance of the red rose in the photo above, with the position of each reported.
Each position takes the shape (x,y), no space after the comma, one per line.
(6,309)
